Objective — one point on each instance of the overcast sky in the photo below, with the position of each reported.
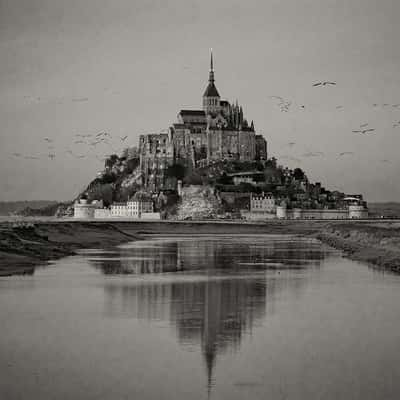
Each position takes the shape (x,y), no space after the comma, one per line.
(84,66)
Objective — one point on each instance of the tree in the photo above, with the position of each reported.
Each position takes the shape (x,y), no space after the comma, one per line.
(101,192)
(224,179)
(298,174)
(193,179)
(176,171)
(110,161)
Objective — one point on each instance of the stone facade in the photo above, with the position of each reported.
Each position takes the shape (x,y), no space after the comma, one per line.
(132,209)
(219,131)
(85,210)
(352,212)
(264,203)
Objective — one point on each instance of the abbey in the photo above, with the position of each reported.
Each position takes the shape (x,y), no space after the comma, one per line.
(199,137)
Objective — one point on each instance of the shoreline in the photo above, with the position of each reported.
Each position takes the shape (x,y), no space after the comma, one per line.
(375,244)
(26,245)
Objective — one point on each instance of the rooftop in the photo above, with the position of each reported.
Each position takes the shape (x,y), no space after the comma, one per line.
(193,112)
(211,91)
(246,173)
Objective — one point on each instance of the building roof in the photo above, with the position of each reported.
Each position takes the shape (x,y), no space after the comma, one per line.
(248,173)
(192,112)
(211,91)
(176,125)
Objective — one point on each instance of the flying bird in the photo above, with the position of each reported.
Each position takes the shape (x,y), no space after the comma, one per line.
(344,153)
(364,131)
(283,104)
(277,97)
(313,154)
(324,83)
(48,140)
(124,138)
(339,107)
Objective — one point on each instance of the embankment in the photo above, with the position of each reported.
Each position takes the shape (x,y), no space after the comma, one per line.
(24,245)
(376,243)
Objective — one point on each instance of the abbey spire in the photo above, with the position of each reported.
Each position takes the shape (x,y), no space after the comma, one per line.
(211,98)
(211,75)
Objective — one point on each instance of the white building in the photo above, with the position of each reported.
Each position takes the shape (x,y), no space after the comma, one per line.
(83,209)
(264,203)
(351,212)
(119,210)
(135,208)
(102,213)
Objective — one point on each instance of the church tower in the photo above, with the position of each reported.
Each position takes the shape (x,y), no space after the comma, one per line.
(211,98)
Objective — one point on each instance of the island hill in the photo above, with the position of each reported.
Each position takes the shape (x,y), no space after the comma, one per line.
(210,164)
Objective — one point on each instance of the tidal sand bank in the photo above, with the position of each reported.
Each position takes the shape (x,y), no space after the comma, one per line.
(375,243)
(24,245)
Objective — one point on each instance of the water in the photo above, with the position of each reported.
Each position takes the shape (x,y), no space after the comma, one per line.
(222,317)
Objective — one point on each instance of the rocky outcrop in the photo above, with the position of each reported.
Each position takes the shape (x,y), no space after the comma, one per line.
(198,202)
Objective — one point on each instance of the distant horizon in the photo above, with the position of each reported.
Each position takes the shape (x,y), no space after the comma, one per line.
(66,201)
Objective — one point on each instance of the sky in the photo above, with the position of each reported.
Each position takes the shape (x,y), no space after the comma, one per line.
(127,67)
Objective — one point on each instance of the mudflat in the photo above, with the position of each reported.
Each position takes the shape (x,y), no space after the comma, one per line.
(25,244)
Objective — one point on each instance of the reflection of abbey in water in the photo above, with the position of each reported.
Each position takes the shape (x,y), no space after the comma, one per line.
(201,255)
(211,313)
(211,310)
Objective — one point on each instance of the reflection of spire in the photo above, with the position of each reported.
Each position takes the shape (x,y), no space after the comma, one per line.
(212,319)
(212,313)
(210,362)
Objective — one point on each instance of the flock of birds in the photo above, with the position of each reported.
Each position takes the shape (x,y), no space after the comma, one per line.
(363,129)
(93,141)
(90,141)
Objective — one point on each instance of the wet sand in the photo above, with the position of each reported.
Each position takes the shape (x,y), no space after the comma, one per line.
(23,245)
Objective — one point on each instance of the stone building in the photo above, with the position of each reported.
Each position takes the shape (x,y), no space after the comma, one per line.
(139,206)
(83,209)
(264,203)
(217,132)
